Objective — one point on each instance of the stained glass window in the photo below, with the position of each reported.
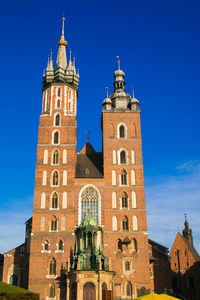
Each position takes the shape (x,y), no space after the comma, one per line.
(89,203)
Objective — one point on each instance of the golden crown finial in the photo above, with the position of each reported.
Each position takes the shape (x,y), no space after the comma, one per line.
(106,91)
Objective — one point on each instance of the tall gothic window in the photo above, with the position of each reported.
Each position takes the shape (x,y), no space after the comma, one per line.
(58,103)
(123,178)
(89,203)
(52,291)
(121,131)
(55,157)
(55,178)
(52,267)
(128,289)
(123,157)
(54,224)
(58,92)
(57,119)
(60,245)
(127,266)
(54,202)
(125,225)
(124,200)
(56,137)
(46,245)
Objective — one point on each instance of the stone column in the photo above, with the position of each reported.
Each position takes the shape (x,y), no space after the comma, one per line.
(68,290)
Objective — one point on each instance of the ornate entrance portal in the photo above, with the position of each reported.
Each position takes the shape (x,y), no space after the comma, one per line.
(89,291)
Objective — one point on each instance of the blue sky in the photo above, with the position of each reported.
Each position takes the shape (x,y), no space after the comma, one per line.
(158,44)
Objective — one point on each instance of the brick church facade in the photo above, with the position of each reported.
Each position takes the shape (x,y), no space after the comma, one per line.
(88,233)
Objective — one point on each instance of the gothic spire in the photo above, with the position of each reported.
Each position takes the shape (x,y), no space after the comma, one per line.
(62,44)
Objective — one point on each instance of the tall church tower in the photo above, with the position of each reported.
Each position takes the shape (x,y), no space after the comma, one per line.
(54,203)
(125,226)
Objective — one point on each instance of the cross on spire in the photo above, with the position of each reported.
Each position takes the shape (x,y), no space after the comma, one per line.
(118,61)
(88,135)
(106,91)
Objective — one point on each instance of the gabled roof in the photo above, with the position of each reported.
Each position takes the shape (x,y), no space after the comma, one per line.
(188,245)
(89,165)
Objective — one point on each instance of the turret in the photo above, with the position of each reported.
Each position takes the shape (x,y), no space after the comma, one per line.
(187,232)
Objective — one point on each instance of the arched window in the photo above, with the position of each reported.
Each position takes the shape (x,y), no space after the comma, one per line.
(124,200)
(114,157)
(58,103)
(64,177)
(119,245)
(58,91)
(55,178)
(56,137)
(43,221)
(47,100)
(135,223)
(121,131)
(134,200)
(133,177)
(60,245)
(64,200)
(13,279)
(114,177)
(114,202)
(123,159)
(43,200)
(55,158)
(114,223)
(134,245)
(45,158)
(123,178)
(52,267)
(44,178)
(54,224)
(46,246)
(64,156)
(57,119)
(90,202)
(52,291)
(128,289)
(127,266)
(125,225)
(133,156)
(54,201)
(63,223)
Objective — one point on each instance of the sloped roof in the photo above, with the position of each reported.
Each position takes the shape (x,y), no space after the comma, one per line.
(89,165)
(192,249)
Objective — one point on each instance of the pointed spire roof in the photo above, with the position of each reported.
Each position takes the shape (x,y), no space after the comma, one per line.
(62,44)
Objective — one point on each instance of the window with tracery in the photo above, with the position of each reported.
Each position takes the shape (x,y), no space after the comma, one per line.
(60,245)
(124,200)
(55,157)
(52,291)
(52,267)
(125,225)
(55,178)
(54,224)
(54,203)
(127,266)
(123,178)
(128,289)
(89,203)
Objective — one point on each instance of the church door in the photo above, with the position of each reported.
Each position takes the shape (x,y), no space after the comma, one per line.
(89,292)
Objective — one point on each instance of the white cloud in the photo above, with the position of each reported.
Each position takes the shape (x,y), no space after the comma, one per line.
(169,198)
